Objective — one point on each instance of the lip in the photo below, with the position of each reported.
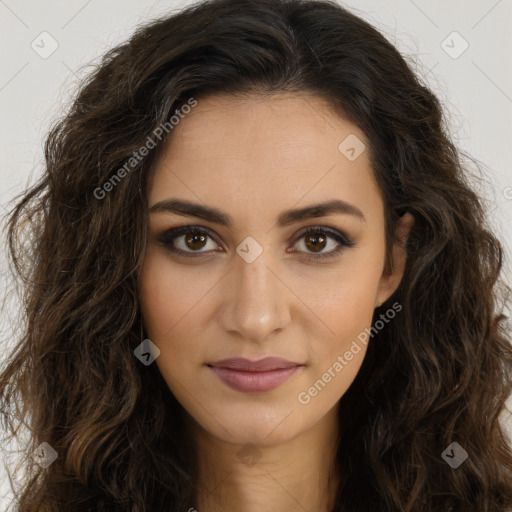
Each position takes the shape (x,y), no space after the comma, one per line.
(261,365)
(254,376)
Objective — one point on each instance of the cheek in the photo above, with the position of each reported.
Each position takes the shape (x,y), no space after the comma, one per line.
(169,296)
(345,303)
(164,312)
(174,312)
(349,311)
(342,301)
(351,305)
(336,358)
(345,299)
(157,296)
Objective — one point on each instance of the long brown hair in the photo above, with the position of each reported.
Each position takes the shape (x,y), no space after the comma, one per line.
(439,373)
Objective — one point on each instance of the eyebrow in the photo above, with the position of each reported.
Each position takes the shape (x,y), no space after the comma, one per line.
(286,218)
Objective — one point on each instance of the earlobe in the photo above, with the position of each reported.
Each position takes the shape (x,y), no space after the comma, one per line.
(389,282)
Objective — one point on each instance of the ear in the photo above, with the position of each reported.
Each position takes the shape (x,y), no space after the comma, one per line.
(389,281)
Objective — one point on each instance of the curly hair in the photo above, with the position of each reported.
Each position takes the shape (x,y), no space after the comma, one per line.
(441,372)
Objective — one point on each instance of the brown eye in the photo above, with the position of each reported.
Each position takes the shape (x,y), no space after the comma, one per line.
(188,241)
(195,241)
(191,240)
(315,242)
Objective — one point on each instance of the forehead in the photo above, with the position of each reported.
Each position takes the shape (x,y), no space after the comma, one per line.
(257,152)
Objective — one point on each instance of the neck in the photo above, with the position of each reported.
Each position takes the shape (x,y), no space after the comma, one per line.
(296,475)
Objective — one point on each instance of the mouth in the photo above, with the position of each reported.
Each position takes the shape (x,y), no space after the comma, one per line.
(254,376)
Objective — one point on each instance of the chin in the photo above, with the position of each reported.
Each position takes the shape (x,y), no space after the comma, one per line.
(262,427)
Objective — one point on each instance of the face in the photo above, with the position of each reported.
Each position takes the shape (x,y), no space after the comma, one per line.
(257,272)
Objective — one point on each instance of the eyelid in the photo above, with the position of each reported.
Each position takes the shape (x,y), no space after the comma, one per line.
(332,232)
(168,236)
(344,241)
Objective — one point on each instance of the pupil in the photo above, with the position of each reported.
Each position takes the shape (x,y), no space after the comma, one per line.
(197,241)
(316,239)
(193,239)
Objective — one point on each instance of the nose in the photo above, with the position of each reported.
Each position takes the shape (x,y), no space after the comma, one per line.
(255,300)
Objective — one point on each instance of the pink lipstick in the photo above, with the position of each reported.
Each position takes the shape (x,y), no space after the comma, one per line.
(254,376)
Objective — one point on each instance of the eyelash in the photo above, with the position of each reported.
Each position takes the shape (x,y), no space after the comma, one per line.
(167,237)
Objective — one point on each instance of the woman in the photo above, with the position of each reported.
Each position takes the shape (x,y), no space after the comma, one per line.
(258,279)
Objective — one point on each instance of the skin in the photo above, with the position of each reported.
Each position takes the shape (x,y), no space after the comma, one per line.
(253,158)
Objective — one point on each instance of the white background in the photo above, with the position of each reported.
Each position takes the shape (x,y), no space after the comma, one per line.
(475,88)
